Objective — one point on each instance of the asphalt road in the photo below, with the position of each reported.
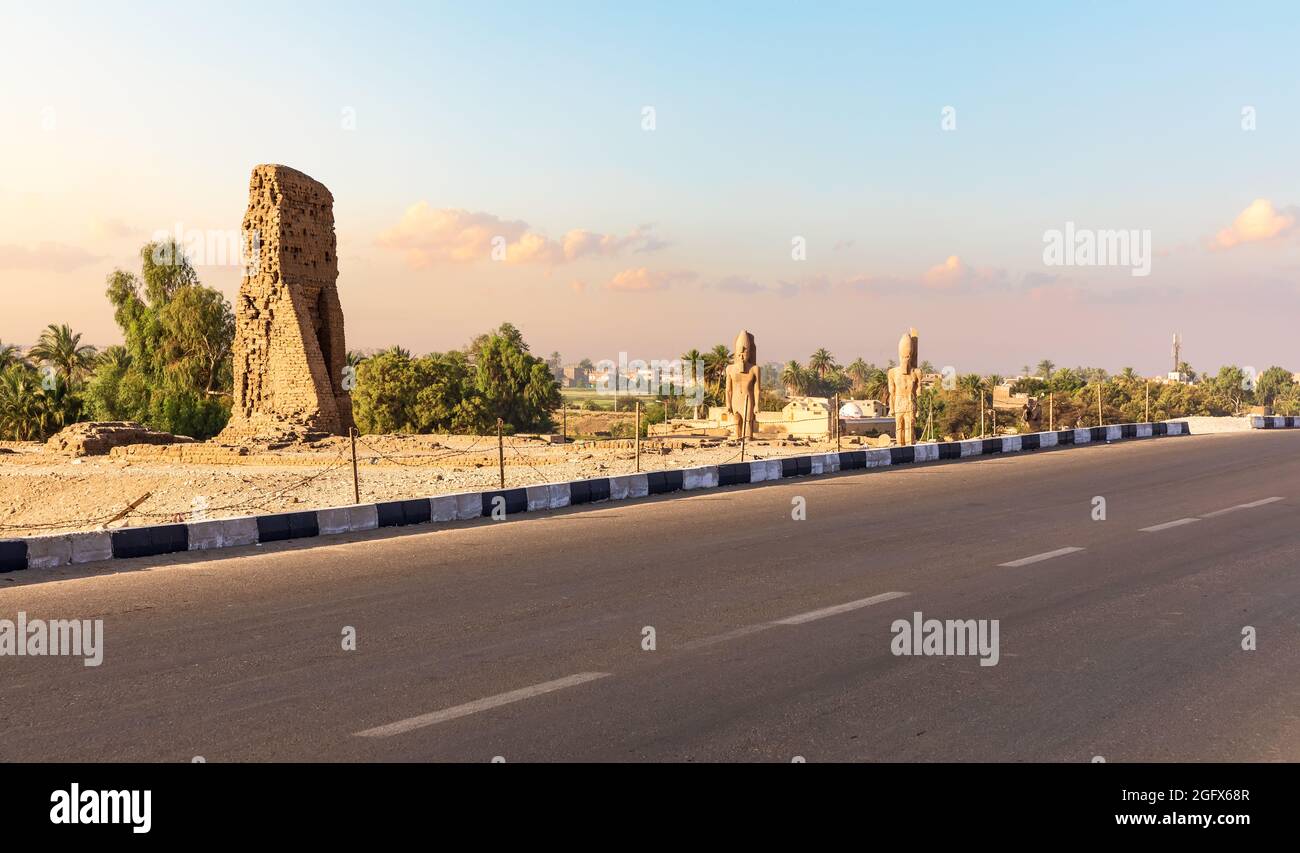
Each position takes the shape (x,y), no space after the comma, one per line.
(524,639)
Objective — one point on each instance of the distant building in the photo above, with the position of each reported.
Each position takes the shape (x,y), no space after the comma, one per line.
(575,376)
(1003,398)
(863,409)
(807,416)
(865,417)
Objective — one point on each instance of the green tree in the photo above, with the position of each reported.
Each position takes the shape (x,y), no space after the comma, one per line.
(821,362)
(877,385)
(972,384)
(175,374)
(1275,382)
(794,378)
(457,391)
(1065,381)
(1230,385)
(859,371)
(715,364)
(34,407)
(21,403)
(60,347)
(514,386)
(692,368)
(10,356)
(1029,385)
(383,400)
(506,330)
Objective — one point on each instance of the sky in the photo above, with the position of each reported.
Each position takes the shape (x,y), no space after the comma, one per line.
(656,177)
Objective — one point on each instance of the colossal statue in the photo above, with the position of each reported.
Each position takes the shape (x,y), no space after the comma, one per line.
(904,385)
(744,380)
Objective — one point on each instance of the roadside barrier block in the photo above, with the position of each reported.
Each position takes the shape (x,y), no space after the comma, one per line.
(222,533)
(551,496)
(49,552)
(700,478)
(876,458)
(13,555)
(588,491)
(92,546)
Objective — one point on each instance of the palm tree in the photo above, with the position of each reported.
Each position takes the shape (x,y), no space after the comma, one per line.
(715,364)
(821,363)
(877,385)
(794,378)
(23,410)
(114,358)
(10,355)
(859,371)
(63,349)
(971,383)
(1045,368)
(693,369)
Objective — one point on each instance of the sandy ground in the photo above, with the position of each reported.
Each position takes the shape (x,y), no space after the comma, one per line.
(46,493)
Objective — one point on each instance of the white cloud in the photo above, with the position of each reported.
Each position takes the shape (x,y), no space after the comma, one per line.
(430,236)
(1257,223)
(641,279)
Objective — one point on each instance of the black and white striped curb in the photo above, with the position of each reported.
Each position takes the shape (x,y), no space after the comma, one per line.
(1274,422)
(44,552)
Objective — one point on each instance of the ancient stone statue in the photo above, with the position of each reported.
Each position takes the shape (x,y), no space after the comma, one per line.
(744,380)
(1033,414)
(904,385)
(289,353)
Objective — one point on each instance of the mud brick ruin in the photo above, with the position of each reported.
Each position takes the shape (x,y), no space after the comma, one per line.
(289,353)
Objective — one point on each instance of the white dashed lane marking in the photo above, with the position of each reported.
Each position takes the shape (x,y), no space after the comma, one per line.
(1250,505)
(797,619)
(1038,558)
(1156,528)
(456,711)
(813,615)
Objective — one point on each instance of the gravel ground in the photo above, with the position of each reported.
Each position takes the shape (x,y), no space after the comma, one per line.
(42,492)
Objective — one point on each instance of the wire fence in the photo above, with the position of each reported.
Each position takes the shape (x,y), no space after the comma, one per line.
(268,499)
(528,463)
